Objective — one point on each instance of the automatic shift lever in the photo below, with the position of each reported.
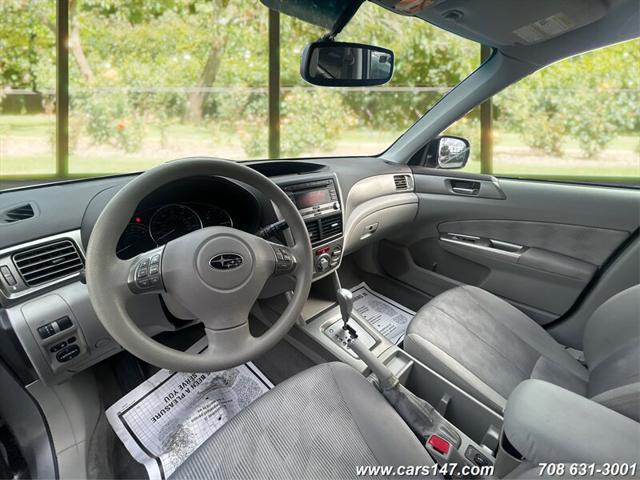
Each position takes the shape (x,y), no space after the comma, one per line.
(345,300)
(385,376)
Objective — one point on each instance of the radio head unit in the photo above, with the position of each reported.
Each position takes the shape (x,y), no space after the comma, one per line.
(314,198)
(319,205)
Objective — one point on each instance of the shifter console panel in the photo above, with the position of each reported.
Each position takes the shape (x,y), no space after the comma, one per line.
(336,333)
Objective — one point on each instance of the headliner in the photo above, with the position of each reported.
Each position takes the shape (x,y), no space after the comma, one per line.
(538,32)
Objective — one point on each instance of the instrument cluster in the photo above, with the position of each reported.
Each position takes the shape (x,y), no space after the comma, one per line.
(153,227)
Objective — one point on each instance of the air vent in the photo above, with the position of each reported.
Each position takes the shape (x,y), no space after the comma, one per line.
(324,228)
(331,226)
(401,181)
(17,213)
(48,262)
(313,227)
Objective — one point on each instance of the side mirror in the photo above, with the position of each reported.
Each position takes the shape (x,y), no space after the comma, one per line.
(339,64)
(443,152)
(452,152)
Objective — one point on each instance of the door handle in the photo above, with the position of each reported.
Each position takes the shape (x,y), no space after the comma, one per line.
(464,187)
(464,191)
(498,248)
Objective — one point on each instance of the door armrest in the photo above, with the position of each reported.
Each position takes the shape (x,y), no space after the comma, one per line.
(547,423)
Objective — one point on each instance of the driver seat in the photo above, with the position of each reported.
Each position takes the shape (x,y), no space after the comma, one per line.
(321,423)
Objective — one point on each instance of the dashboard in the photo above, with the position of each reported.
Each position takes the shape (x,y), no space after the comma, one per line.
(344,204)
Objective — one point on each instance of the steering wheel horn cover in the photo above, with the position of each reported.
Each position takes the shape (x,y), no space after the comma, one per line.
(216,273)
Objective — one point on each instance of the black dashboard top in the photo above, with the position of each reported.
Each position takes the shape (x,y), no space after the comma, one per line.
(71,205)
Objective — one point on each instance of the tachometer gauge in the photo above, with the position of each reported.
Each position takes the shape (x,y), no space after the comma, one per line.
(213,216)
(173,221)
(134,240)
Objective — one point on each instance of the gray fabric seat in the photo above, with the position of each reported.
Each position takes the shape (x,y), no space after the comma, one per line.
(487,347)
(322,423)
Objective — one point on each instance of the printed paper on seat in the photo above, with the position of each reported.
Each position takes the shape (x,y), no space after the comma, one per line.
(167,417)
(388,317)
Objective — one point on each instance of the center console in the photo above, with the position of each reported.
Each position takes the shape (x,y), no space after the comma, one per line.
(320,206)
(454,427)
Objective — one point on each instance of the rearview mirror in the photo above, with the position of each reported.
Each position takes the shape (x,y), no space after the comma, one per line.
(452,152)
(339,64)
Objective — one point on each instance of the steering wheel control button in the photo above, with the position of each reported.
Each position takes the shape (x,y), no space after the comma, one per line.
(285,262)
(146,276)
(143,269)
(68,353)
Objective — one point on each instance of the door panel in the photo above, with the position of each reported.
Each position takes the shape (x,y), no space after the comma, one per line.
(536,244)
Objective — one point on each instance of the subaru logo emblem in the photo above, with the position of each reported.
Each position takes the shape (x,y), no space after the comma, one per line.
(226,261)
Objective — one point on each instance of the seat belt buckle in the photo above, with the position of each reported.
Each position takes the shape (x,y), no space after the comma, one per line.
(439,444)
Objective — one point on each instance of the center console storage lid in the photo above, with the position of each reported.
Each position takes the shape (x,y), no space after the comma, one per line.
(547,423)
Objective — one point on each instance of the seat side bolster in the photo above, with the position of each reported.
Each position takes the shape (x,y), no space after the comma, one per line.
(613,324)
(624,400)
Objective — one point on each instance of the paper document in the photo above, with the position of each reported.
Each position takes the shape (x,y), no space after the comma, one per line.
(163,420)
(388,317)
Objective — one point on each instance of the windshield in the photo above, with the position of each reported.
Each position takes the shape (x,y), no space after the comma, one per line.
(153,81)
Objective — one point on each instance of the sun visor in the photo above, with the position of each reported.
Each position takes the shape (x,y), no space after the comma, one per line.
(323,13)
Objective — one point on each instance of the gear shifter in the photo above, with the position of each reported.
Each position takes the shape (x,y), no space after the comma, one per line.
(345,300)
(385,376)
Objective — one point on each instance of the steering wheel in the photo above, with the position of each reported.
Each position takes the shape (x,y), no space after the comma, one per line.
(216,273)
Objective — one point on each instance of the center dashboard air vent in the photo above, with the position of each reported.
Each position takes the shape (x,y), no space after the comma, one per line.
(403,182)
(48,262)
(17,213)
(324,228)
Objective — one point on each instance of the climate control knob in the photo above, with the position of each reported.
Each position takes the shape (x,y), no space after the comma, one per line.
(323,262)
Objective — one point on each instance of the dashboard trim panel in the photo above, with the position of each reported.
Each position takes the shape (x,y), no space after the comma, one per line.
(20,291)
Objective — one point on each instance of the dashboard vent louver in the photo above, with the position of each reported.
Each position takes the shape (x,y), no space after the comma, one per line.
(17,213)
(45,263)
(324,228)
(331,226)
(313,227)
(401,181)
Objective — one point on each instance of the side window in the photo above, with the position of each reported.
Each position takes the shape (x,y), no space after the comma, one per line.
(574,120)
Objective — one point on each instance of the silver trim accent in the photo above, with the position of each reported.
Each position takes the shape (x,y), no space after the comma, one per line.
(10,295)
(496,247)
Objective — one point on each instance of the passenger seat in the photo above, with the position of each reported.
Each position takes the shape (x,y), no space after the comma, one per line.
(487,347)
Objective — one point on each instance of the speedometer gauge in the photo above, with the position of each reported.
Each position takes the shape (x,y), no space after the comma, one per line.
(173,221)
(134,239)
(213,216)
